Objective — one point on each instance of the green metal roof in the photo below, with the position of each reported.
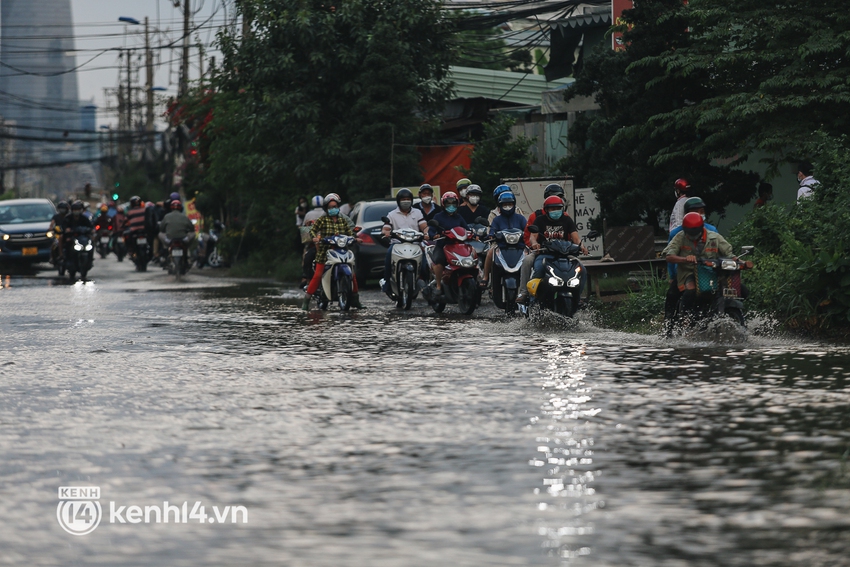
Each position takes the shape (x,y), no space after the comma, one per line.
(519,88)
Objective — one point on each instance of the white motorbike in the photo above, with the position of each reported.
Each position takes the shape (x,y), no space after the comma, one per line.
(405,259)
(337,281)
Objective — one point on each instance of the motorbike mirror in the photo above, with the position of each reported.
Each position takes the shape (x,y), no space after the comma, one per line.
(386,220)
(748,249)
(482,220)
(533,229)
(358,228)
(434,224)
(592,235)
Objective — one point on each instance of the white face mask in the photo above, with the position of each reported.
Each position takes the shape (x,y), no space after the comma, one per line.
(474,199)
(427,200)
(405,205)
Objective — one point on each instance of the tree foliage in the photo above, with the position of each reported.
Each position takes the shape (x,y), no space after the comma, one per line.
(496,156)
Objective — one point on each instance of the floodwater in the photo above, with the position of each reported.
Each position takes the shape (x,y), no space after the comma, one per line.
(382,438)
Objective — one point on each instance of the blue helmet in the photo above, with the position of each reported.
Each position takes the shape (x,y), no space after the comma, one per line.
(499,190)
(317,201)
(506,197)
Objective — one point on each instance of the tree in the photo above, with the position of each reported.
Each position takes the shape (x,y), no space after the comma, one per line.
(611,149)
(496,156)
(768,74)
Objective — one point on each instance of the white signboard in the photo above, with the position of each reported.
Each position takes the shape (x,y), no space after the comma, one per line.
(586,208)
(529,192)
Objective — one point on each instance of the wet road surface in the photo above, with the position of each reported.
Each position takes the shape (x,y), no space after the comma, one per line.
(383,438)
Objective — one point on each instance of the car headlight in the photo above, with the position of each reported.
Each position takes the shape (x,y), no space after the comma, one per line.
(6,237)
(49,234)
(729,265)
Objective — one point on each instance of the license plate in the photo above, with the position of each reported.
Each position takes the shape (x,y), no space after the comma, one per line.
(177,253)
(30,251)
(104,239)
(730,292)
(141,241)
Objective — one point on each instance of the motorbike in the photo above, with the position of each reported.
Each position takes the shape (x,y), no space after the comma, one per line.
(558,277)
(81,255)
(119,246)
(140,250)
(405,261)
(178,258)
(207,250)
(337,280)
(507,263)
(720,293)
(478,231)
(460,276)
(103,238)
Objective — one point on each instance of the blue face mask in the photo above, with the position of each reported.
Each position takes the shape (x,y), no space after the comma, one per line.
(555,215)
(333,212)
(451,209)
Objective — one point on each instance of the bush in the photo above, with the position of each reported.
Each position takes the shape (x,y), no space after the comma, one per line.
(640,312)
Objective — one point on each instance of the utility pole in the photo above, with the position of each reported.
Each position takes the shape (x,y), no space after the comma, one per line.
(129,106)
(201,62)
(122,110)
(184,76)
(148,80)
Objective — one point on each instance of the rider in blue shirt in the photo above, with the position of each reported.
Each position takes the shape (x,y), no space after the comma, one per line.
(507,218)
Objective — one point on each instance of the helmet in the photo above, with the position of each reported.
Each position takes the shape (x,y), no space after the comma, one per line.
(474,190)
(693,224)
(77,206)
(507,197)
(403,194)
(317,201)
(681,186)
(149,204)
(175,205)
(135,201)
(174,196)
(63,205)
(104,207)
(553,201)
(448,196)
(499,190)
(553,189)
(463,183)
(425,187)
(693,204)
(331,197)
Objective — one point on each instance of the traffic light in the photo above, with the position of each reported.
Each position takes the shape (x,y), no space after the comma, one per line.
(115,196)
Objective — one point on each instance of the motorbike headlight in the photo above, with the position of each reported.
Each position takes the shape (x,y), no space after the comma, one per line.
(512,237)
(342,241)
(78,246)
(555,281)
(729,265)
(573,282)
(88,246)
(467,262)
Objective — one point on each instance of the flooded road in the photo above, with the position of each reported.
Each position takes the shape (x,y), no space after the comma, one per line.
(382,438)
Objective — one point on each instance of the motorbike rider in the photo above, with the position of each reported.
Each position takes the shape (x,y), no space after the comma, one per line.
(553,189)
(495,212)
(682,190)
(56,249)
(404,216)
(461,187)
(426,204)
(332,223)
(176,225)
(103,220)
(693,243)
(72,222)
(448,219)
(135,221)
(152,220)
(473,208)
(692,205)
(508,217)
(553,224)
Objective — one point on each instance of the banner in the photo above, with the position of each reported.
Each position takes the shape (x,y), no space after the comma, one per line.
(193,214)
(617,9)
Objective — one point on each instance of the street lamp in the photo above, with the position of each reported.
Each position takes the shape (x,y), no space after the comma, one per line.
(128,20)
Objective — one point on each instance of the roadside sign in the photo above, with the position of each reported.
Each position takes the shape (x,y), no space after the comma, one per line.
(586,208)
(529,192)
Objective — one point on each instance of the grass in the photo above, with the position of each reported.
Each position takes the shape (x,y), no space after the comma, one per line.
(640,312)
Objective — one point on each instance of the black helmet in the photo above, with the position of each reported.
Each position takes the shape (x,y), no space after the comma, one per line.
(403,194)
(77,206)
(553,189)
(135,201)
(694,204)
(425,187)
(63,205)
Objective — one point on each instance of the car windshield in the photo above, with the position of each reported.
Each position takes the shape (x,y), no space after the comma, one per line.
(30,212)
(374,211)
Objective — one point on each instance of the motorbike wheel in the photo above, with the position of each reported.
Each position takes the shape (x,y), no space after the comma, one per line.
(72,275)
(83,274)
(214,259)
(408,289)
(343,292)
(467,296)
(510,301)
(102,252)
(174,268)
(438,306)
(496,287)
(737,315)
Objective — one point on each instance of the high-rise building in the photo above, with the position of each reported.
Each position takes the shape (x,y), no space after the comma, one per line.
(38,81)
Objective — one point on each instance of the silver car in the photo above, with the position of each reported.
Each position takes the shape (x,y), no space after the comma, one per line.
(24,229)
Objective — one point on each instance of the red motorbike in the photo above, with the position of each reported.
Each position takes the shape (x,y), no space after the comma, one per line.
(460,276)
(103,238)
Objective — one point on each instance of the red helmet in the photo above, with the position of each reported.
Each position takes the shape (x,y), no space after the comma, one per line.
(681,185)
(553,201)
(693,224)
(448,196)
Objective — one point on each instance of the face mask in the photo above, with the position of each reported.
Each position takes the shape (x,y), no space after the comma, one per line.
(507,209)
(405,205)
(463,192)
(333,212)
(474,199)
(77,213)
(451,209)
(427,200)
(555,215)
